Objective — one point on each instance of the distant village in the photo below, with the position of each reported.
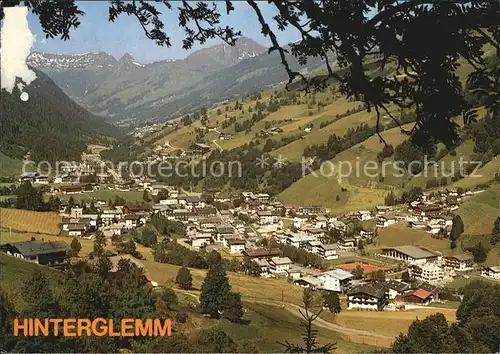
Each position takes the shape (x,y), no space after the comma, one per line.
(244,224)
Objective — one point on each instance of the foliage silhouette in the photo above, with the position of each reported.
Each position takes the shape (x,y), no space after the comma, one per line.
(423,40)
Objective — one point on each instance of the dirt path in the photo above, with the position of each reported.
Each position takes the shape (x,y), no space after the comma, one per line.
(294,310)
(218,146)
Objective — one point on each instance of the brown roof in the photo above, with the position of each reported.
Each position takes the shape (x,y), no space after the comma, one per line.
(461,257)
(264,252)
(132,217)
(234,241)
(76,227)
(421,294)
(376,290)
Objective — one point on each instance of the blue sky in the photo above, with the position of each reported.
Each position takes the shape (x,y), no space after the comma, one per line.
(125,34)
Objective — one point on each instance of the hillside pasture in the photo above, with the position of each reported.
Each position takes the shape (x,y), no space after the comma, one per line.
(273,324)
(327,192)
(446,166)
(400,234)
(268,322)
(294,150)
(377,321)
(480,211)
(484,175)
(360,190)
(10,166)
(30,221)
(14,272)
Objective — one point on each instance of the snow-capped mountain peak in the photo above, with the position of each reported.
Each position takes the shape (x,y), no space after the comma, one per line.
(82,61)
(230,55)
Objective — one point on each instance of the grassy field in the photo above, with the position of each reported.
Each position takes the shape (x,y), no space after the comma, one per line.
(297,116)
(271,324)
(294,150)
(9,166)
(460,282)
(250,287)
(14,272)
(377,322)
(399,235)
(268,323)
(480,211)
(483,176)
(362,188)
(446,166)
(327,192)
(30,221)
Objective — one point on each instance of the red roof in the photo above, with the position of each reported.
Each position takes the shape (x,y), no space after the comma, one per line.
(422,294)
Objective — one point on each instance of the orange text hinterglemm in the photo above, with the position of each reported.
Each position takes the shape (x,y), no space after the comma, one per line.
(75,327)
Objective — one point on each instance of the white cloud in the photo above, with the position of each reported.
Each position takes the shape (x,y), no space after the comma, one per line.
(17,40)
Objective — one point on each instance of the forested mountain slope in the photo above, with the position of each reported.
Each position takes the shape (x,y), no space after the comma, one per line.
(49,126)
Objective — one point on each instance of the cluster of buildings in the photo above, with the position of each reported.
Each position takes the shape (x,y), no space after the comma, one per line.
(491,272)
(240,230)
(430,266)
(110,221)
(360,294)
(379,295)
(239,223)
(70,173)
(270,132)
(431,212)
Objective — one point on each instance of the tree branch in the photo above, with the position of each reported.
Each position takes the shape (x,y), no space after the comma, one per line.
(266,31)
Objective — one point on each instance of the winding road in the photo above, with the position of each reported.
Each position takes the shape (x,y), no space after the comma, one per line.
(294,310)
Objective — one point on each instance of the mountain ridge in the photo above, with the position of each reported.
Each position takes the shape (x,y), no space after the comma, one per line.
(130,92)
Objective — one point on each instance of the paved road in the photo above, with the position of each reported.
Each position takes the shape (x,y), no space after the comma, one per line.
(294,310)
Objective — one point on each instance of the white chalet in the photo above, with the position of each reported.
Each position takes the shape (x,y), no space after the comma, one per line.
(335,280)
(328,251)
(300,241)
(491,272)
(132,221)
(267,217)
(200,239)
(279,265)
(321,222)
(313,246)
(316,232)
(236,246)
(339,225)
(364,215)
(385,220)
(368,296)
